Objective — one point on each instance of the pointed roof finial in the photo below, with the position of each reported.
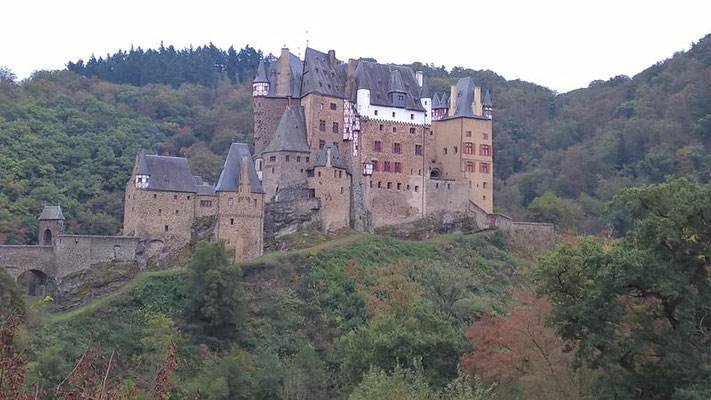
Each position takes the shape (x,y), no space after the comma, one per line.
(261,76)
(487,99)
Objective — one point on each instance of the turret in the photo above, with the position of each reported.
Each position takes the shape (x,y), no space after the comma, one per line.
(260,85)
(488,108)
(143,176)
(51,225)
(396,90)
(425,96)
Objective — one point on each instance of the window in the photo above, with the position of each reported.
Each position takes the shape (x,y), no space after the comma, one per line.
(176,212)
(322,125)
(335,173)
(469,134)
(398,167)
(417,188)
(412,130)
(165,228)
(381,127)
(321,106)
(307,159)
(390,185)
(484,168)
(341,189)
(445,150)
(455,149)
(376,167)
(412,116)
(334,127)
(468,148)
(286,158)
(205,203)
(399,186)
(188,197)
(485,136)
(175,197)
(333,106)
(483,185)
(380,184)
(394,129)
(232,221)
(321,143)
(393,114)
(298,158)
(377,146)
(230,201)
(160,212)
(340,174)
(418,149)
(396,148)
(386,166)
(470,166)
(272,159)
(485,150)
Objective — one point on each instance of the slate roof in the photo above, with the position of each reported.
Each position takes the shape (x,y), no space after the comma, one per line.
(232,170)
(425,90)
(396,85)
(202,187)
(464,92)
(290,134)
(487,99)
(52,213)
(336,160)
(322,75)
(261,76)
(376,78)
(297,69)
(171,174)
(444,100)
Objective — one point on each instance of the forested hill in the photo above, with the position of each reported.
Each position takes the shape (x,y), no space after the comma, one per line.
(71,136)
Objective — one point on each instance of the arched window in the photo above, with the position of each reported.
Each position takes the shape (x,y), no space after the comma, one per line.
(47,237)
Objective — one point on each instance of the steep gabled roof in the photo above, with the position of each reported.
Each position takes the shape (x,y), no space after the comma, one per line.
(51,213)
(425,90)
(290,134)
(444,100)
(376,78)
(170,174)
(232,170)
(296,68)
(261,76)
(336,160)
(323,75)
(435,101)
(464,92)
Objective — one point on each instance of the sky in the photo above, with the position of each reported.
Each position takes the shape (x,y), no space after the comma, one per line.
(563,45)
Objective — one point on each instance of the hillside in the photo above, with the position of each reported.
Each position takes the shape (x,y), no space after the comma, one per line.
(316,320)
(558,158)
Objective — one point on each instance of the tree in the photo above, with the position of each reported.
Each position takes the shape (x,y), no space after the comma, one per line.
(553,209)
(214,290)
(637,307)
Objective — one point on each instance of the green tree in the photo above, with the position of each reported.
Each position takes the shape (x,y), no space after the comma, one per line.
(305,377)
(11,301)
(214,290)
(638,306)
(551,208)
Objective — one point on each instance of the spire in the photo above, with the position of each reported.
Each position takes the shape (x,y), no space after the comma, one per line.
(425,92)
(487,99)
(435,101)
(261,73)
(52,213)
(444,101)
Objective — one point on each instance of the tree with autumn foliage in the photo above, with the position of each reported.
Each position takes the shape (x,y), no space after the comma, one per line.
(638,307)
(524,355)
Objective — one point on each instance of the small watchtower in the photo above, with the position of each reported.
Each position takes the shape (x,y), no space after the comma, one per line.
(51,225)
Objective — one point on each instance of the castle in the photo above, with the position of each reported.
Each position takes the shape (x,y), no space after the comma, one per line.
(336,144)
(368,141)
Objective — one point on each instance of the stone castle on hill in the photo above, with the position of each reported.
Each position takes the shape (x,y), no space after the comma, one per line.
(336,144)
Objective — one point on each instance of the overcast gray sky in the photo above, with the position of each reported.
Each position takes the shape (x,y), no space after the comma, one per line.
(559,44)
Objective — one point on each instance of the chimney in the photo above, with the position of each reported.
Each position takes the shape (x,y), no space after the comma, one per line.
(476,106)
(452,100)
(332,57)
(328,157)
(420,78)
(244,175)
(283,70)
(350,89)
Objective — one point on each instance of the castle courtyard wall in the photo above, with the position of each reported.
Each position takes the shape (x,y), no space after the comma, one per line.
(18,259)
(444,195)
(240,223)
(205,206)
(74,252)
(333,187)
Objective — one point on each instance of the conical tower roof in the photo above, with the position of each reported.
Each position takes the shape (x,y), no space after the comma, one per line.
(261,76)
(290,135)
(487,99)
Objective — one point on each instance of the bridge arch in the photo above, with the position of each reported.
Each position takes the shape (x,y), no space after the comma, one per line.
(37,283)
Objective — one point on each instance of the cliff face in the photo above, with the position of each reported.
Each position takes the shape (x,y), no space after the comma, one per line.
(82,286)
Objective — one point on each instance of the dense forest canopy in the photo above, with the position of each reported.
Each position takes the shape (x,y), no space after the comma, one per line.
(70,137)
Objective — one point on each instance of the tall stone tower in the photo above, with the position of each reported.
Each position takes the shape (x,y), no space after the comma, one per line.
(51,225)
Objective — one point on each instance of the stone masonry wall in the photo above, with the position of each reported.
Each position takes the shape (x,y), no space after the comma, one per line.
(447,196)
(205,206)
(74,252)
(267,113)
(317,108)
(333,187)
(18,259)
(282,169)
(240,223)
(158,215)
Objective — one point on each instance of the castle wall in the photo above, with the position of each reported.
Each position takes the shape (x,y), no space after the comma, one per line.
(296,210)
(454,159)
(393,197)
(240,223)
(205,206)
(283,169)
(447,196)
(18,259)
(317,108)
(74,252)
(159,215)
(267,113)
(333,187)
